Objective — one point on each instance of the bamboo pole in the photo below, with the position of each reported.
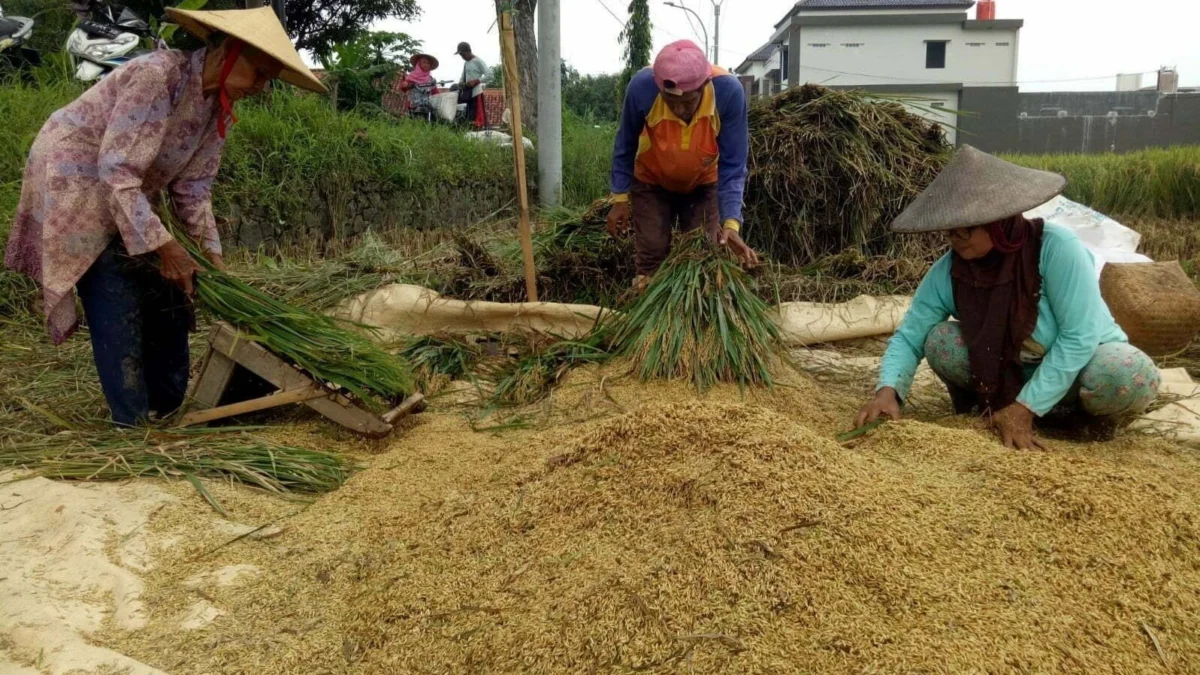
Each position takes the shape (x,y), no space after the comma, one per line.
(513,87)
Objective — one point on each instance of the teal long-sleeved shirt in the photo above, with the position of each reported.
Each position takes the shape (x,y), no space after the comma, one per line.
(1073,321)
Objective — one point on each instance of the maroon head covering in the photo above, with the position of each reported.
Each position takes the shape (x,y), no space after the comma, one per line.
(997,301)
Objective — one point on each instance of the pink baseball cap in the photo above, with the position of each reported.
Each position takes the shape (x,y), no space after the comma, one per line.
(681,67)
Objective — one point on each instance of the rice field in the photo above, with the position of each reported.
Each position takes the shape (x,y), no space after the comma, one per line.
(1157,183)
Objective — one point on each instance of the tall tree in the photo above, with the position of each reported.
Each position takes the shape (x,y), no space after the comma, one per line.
(591,97)
(637,39)
(320,24)
(524,19)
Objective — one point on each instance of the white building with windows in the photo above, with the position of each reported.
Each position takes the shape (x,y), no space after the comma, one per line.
(934,50)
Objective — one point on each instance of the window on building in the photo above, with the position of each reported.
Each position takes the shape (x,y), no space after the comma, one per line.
(976,44)
(784,63)
(852,45)
(938,104)
(935,54)
(1003,44)
(818,45)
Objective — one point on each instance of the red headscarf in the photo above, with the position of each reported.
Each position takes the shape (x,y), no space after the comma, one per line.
(233,50)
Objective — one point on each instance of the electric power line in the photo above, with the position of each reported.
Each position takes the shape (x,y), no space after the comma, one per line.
(612,13)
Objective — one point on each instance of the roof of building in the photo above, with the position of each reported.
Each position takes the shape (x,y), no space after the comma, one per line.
(883,4)
(765,52)
(760,55)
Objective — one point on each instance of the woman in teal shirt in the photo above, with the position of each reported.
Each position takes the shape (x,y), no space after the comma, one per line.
(1032,330)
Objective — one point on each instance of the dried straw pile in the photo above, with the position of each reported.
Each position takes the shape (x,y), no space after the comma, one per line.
(717,537)
(830,169)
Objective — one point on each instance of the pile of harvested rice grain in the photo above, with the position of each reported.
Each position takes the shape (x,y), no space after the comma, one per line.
(715,536)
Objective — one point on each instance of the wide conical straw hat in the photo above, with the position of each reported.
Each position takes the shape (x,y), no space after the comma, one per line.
(976,188)
(259,28)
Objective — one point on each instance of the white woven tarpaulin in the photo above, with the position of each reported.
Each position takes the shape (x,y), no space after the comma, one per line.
(1108,240)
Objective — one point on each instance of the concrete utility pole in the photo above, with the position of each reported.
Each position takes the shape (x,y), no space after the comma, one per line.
(717,33)
(550,181)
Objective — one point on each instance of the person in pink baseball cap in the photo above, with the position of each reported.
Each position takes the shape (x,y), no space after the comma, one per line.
(680,157)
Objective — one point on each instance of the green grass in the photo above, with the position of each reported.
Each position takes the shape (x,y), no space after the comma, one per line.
(1155,183)
(23,109)
(289,145)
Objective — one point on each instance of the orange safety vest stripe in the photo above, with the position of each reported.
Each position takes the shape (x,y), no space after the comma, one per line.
(679,156)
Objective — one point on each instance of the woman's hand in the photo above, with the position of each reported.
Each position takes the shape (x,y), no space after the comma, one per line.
(733,240)
(177,266)
(1014,426)
(216,260)
(885,403)
(618,219)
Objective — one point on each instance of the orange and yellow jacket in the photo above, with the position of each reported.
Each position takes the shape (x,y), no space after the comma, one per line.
(655,147)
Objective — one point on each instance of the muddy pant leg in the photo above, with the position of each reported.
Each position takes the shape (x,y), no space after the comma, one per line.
(111,295)
(166,320)
(654,215)
(1120,379)
(700,209)
(946,352)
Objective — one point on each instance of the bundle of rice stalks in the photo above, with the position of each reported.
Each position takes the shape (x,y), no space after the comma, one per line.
(327,349)
(577,262)
(323,347)
(436,358)
(829,170)
(842,277)
(531,378)
(484,275)
(227,454)
(700,319)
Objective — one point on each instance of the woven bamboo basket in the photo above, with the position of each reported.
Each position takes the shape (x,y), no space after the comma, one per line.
(1156,304)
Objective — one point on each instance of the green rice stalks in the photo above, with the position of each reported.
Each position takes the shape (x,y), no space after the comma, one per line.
(327,349)
(531,378)
(316,343)
(434,356)
(700,320)
(227,454)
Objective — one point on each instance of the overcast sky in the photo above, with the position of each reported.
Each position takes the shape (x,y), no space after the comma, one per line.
(1085,42)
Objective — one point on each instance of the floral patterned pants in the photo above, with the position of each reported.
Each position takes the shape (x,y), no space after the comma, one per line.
(1120,379)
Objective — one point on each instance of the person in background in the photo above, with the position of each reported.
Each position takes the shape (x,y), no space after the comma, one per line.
(418,85)
(474,74)
(86,222)
(422,73)
(680,156)
(1032,329)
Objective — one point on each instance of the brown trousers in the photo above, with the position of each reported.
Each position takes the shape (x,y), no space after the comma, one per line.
(655,213)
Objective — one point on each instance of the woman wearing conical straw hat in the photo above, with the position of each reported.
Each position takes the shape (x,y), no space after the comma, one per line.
(86,224)
(1032,331)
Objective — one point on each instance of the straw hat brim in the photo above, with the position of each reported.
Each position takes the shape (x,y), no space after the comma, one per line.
(976,188)
(259,28)
(431,57)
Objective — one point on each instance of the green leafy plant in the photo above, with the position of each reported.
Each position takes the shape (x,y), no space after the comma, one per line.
(362,70)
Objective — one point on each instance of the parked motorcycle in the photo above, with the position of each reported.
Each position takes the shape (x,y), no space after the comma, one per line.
(108,36)
(14,34)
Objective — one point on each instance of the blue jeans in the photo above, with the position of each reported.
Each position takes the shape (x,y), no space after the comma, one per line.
(139,325)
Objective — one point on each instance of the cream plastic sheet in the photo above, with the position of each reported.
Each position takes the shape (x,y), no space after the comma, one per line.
(1179,419)
(402,309)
